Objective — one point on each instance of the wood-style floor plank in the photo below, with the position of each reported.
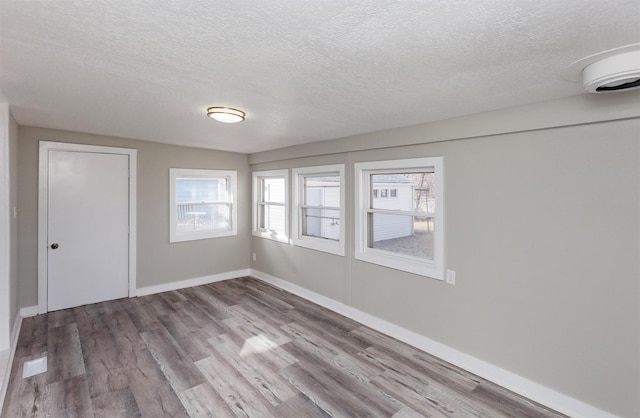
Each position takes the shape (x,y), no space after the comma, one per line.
(28,394)
(273,387)
(65,354)
(241,398)
(175,364)
(118,403)
(204,401)
(68,398)
(153,393)
(238,348)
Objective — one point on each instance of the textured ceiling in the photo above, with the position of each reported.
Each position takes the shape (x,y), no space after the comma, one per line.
(303,70)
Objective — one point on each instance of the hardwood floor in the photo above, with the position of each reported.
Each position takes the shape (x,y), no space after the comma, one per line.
(236,348)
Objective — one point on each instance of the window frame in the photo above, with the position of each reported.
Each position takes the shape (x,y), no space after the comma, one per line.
(363,207)
(231,177)
(315,243)
(257,177)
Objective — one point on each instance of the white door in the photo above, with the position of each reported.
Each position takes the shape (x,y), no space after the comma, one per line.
(87,228)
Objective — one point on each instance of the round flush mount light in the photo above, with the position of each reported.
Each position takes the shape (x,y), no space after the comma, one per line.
(609,71)
(225,114)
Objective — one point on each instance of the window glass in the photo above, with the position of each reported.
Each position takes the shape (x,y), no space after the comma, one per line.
(399,215)
(272,218)
(403,234)
(201,204)
(270,204)
(415,191)
(273,190)
(319,208)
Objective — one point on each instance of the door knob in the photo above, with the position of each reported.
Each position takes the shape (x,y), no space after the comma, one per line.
(54,246)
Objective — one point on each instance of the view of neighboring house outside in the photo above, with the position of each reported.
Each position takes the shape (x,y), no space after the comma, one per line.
(403,232)
(322,222)
(392,192)
(407,192)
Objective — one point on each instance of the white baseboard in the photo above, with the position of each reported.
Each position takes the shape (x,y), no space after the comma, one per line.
(518,384)
(150,290)
(4,384)
(28,311)
(197,281)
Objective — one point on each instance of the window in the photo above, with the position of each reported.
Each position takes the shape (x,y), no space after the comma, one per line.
(270,204)
(318,209)
(202,204)
(406,232)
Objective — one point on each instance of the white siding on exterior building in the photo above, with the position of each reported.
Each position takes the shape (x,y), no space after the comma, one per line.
(324,194)
(273,217)
(392,226)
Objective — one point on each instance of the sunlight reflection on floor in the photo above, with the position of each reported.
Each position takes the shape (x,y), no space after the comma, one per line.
(257,344)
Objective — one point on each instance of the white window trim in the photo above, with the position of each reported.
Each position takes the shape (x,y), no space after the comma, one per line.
(263,233)
(320,244)
(433,269)
(232,184)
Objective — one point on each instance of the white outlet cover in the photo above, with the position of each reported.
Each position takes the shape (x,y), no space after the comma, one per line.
(451,277)
(34,367)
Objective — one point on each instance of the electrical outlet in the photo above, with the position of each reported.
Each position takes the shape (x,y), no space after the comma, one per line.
(451,277)
(254,256)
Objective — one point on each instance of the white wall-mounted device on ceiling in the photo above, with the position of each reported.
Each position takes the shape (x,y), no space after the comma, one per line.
(609,71)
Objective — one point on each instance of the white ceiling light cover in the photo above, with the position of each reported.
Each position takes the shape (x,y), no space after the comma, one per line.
(225,114)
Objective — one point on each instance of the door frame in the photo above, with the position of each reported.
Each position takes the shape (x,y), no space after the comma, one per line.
(43,205)
(5,236)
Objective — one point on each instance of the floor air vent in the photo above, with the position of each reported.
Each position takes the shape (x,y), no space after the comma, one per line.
(34,367)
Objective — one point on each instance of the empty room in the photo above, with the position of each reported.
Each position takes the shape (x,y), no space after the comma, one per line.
(320,208)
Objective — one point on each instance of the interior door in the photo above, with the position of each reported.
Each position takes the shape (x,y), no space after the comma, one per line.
(88,227)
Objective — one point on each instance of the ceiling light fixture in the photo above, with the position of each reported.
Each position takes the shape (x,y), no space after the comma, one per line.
(225,114)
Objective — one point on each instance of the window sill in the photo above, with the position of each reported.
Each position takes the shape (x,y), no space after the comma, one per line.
(402,263)
(318,244)
(201,235)
(271,235)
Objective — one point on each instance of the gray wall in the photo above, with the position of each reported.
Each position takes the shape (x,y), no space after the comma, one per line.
(13,202)
(543,230)
(158,261)
(542,213)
